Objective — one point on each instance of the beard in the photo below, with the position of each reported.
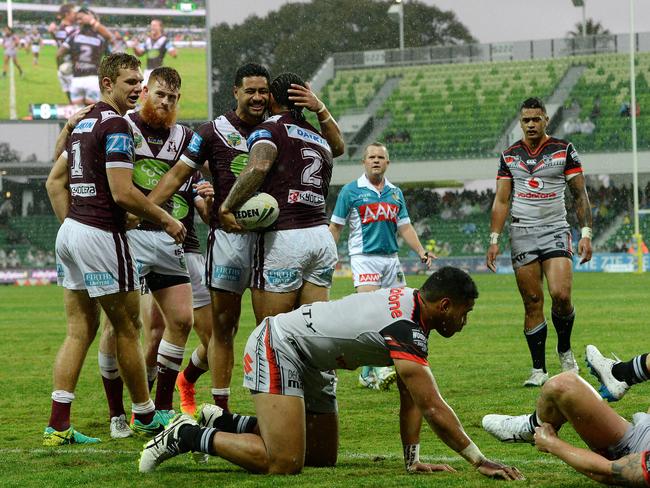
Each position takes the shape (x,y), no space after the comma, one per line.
(154,119)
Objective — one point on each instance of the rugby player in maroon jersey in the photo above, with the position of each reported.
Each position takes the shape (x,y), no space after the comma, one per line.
(91,188)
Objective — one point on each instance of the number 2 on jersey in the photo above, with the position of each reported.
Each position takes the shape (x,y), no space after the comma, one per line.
(310,174)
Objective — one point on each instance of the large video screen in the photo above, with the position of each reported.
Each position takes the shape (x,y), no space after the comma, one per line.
(52,46)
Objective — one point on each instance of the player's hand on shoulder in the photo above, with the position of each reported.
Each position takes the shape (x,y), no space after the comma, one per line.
(429,468)
(174,228)
(495,469)
(228,221)
(78,115)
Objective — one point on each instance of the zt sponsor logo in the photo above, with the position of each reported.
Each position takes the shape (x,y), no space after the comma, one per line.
(83,190)
(306,198)
(257,135)
(119,143)
(394,304)
(195,144)
(369,277)
(377,212)
(248,364)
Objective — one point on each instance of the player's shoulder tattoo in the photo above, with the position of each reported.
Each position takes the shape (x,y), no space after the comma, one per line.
(629,470)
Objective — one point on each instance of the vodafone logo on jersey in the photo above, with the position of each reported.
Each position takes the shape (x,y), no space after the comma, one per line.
(376,212)
(534,184)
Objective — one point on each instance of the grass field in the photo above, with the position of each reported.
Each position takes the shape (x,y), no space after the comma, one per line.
(40,83)
(480,371)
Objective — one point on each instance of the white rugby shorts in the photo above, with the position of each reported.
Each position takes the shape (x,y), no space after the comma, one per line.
(271,365)
(284,259)
(156,251)
(196,267)
(384,271)
(92,259)
(64,80)
(84,88)
(228,261)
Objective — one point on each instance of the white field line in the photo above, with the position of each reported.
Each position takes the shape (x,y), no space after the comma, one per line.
(342,455)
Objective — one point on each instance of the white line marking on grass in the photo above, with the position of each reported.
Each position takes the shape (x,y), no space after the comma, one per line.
(342,455)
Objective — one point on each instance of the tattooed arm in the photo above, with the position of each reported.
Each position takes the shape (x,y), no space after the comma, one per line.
(262,157)
(626,471)
(583,211)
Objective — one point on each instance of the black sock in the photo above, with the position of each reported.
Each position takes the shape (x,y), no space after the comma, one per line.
(532,421)
(563,327)
(235,424)
(536,339)
(196,439)
(633,371)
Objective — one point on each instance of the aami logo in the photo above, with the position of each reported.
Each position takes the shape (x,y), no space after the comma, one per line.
(369,277)
(376,212)
(535,184)
(393,302)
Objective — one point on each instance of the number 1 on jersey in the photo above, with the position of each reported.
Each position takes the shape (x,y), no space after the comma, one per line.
(77,170)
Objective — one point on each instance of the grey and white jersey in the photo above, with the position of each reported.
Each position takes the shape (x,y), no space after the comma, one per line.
(539,181)
(365,328)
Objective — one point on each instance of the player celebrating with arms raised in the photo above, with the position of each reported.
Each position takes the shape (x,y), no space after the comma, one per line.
(534,172)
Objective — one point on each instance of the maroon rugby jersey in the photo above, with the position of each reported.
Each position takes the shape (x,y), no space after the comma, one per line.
(224,146)
(87,49)
(156,152)
(101,140)
(300,177)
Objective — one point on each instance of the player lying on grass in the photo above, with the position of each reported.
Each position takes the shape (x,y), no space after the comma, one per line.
(288,363)
(619,451)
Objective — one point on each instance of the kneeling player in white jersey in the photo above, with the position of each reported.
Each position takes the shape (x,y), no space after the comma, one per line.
(287,362)
(535,171)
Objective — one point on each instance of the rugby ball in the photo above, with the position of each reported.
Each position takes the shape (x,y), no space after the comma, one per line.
(258,212)
(66,68)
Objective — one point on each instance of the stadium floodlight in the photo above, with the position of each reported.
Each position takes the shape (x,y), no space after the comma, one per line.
(396,13)
(581,3)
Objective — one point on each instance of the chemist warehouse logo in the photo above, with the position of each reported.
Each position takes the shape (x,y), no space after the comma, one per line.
(376,212)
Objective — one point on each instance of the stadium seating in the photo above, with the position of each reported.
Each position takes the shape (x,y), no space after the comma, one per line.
(607,79)
(461,110)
